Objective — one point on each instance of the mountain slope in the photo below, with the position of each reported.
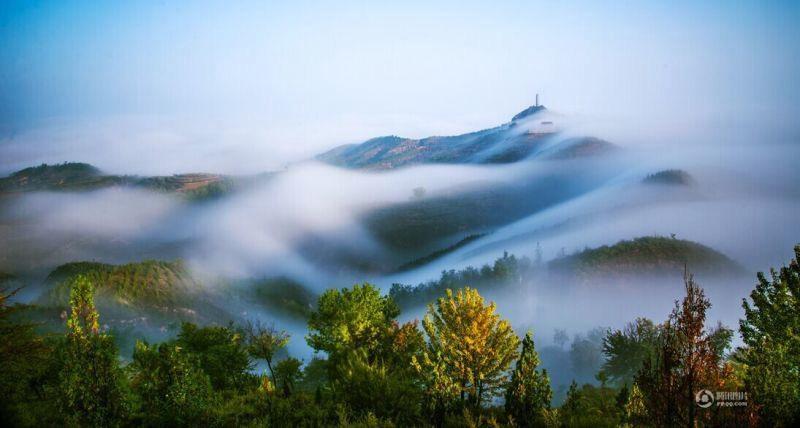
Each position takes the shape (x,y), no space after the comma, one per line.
(76,176)
(651,255)
(145,283)
(528,133)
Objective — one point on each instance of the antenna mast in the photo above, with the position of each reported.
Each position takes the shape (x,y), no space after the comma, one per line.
(537,100)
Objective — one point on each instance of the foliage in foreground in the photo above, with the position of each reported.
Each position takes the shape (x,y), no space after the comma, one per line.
(464,367)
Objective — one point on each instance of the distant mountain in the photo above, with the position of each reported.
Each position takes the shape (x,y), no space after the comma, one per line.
(68,175)
(529,133)
(75,176)
(646,255)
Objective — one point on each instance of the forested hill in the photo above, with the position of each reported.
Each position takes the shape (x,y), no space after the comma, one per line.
(76,176)
(149,282)
(646,255)
(141,293)
(531,132)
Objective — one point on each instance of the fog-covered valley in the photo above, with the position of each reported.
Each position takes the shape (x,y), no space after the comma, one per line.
(320,226)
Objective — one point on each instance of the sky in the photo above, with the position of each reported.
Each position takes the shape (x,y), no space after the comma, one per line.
(166,86)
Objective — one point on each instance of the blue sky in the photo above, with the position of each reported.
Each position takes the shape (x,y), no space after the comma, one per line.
(301,76)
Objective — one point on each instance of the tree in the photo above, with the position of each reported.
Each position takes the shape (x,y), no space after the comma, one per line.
(287,374)
(635,408)
(373,387)
(172,388)
(369,353)
(528,393)
(586,354)
(560,337)
(90,387)
(590,406)
(627,349)
(771,332)
(263,342)
(220,352)
(686,362)
(350,319)
(469,346)
(24,357)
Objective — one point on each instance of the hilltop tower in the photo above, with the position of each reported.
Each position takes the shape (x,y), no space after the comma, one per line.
(537,100)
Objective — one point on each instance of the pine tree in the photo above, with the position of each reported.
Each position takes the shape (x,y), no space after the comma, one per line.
(90,378)
(528,394)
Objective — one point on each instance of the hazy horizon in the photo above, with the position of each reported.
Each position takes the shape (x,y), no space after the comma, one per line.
(205,86)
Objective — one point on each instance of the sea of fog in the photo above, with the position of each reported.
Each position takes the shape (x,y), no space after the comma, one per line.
(745,203)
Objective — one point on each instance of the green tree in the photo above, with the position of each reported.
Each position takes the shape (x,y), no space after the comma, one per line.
(469,346)
(350,319)
(771,332)
(590,406)
(369,353)
(91,392)
(627,349)
(528,393)
(586,354)
(221,354)
(172,389)
(25,358)
(264,342)
(373,387)
(288,374)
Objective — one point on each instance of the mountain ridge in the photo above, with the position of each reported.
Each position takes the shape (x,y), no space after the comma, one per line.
(522,137)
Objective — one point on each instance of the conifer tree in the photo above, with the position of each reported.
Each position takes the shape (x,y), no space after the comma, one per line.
(90,377)
(528,394)
(771,331)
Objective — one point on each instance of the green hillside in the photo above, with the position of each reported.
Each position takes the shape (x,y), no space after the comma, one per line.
(422,261)
(505,271)
(65,176)
(75,177)
(162,293)
(285,296)
(646,255)
(145,283)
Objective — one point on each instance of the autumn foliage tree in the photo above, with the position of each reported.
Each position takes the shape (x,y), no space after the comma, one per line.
(469,348)
(687,361)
